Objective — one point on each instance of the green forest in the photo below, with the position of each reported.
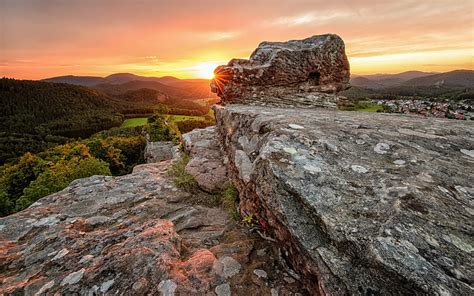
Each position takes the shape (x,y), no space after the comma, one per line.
(54,133)
(35,115)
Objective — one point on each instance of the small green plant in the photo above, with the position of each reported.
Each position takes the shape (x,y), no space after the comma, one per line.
(249,221)
(229,199)
(181,178)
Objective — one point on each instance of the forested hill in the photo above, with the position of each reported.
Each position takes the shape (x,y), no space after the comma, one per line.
(35,115)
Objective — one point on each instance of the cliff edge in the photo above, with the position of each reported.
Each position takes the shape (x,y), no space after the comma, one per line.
(365,204)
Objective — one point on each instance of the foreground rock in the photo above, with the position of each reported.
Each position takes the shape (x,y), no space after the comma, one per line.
(132,235)
(207,162)
(302,73)
(363,203)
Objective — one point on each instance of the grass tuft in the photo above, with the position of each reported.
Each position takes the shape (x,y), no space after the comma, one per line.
(229,199)
(181,178)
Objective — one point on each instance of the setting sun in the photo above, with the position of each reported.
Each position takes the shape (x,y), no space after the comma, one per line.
(205,70)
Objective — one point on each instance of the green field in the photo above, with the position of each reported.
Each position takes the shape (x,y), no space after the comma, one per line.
(363,106)
(178,118)
(132,122)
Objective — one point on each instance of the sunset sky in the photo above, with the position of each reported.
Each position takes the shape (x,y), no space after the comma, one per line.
(44,38)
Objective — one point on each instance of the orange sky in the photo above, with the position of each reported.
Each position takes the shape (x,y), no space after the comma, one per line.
(44,38)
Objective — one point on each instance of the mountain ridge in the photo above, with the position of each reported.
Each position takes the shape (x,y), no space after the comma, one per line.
(117,78)
(455,78)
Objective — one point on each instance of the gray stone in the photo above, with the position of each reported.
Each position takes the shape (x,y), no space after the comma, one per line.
(227,267)
(73,278)
(382,148)
(45,288)
(167,288)
(295,126)
(289,280)
(96,221)
(243,165)
(359,169)
(60,254)
(260,273)
(106,285)
(223,290)
(468,152)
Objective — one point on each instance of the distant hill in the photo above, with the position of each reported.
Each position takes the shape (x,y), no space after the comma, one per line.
(457,78)
(116,89)
(454,86)
(404,76)
(365,82)
(35,114)
(377,81)
(117,78)
(120,78)
(173,88)
(77,80)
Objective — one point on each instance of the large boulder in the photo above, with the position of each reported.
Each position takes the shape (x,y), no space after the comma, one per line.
(362,203)
(302,73)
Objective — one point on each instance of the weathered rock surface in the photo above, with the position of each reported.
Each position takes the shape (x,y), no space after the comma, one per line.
(131,235)
(159,151)
(363,203)
(207,162)
(302,73)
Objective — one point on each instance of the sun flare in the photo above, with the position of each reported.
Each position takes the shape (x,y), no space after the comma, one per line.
(205,70)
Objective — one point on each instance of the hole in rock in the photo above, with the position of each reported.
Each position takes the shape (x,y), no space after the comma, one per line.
(314,77)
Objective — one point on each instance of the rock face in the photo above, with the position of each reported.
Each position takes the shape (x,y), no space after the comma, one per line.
(302,73)
(132,235)
(363,203)
(207,162)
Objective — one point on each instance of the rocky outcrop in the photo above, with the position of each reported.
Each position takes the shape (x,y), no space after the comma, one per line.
(133,235)
(302,73)
(362,203)
(206,162)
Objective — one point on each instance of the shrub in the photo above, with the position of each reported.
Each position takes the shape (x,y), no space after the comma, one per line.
(58,176)
(160,130)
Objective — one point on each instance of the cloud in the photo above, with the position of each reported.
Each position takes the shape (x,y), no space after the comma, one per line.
(311,17)
(217,36)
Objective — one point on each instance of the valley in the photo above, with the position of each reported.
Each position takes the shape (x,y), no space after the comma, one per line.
(52,133)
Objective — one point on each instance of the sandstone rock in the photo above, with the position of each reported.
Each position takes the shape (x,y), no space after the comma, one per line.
(206,163)
(302,73)
(133,234)
(361,203)
(139,242)
(159,151)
